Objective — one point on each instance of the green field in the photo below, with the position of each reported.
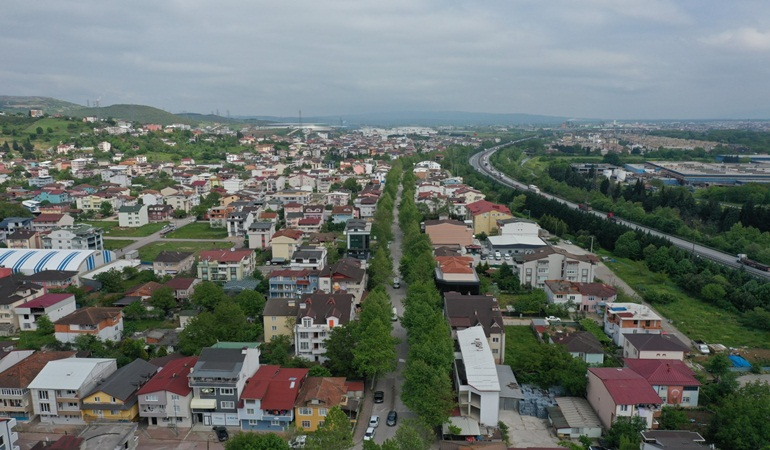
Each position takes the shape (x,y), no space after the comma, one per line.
(198,230)
(113,230)
(150,252)
(116,244)
(696,319)
(519,343)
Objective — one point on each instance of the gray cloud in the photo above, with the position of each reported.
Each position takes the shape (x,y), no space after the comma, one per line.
(594,58)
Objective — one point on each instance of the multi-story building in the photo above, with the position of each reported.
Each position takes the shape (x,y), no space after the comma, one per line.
(478,386)
(171,263)
(292,196)
(159,213)
(358,235)
(346,276)
(279,317)
(53,306)
(24,239)
(183,287)
(614,392)
(218,379)
(284,243)
(316,397)
(15,398)
(58,389)
(105,323)
(115,398)
(551,263)
(133,216)
(465,311)
(48,222)
(8,437)
(674,382)
(485,215)
(309,257)
(226,265)
(165,399)
(654,346)
(81,237)
(260,234)
(267,401)
(621,319)
(15,291)
(586,297)
(318,314)
(238,222)
(292,283)
(449,233)
(183,200)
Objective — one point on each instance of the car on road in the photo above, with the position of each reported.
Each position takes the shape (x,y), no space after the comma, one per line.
(369,435)
(222,434)
(379,396)
(552,319)
(374,421)
(483,257)
(392,419)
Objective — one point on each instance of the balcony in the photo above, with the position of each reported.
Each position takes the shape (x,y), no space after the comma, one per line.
(153,409)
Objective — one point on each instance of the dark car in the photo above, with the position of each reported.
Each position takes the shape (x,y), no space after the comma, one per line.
(379,396)
(392,419)
(221,433)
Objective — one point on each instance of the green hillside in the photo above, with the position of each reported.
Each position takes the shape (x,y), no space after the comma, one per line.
(134,113)
(15,104)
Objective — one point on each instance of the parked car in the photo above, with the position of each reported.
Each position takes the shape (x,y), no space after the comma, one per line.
(374,421)
(298,441)
(369,435)
(396,283)
(392,419)
(222,434)
(552,319)
(379,397)
(498,256)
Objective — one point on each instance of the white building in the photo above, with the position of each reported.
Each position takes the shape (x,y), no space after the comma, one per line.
(318,314)
(54,306)
(478,388)
(551,263)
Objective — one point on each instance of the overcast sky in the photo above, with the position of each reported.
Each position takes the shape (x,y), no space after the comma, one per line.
(610,59)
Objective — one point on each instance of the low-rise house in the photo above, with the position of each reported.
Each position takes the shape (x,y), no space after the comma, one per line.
(475,374)
(284,243)
(615,392)
(218,379)
(550,263)
(172,263)
(358,238)
(465,311)
(260,234)
(133,216)
(226,265)
(586,297)
(58,389)
(309,224)
(654,346)
(267,401)
(306,257)
(105,323)
(57,279)
(165,399)
(346,276)
(15,399)
(183,287)
(341,214)
(24,239)
(279,317)
(674,382)
(316,397)
(672,439)
(14,291)
(81,237)
(622,319)
(449,233)
(115,398)
(582,345)
(318,314)
(53,306)
(159,213)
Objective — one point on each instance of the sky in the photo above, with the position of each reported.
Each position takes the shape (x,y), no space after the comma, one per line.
(607,59)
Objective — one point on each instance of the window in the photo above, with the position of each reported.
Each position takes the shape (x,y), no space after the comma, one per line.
(174,396)
(624,408)
(226,391)
(274,328)
(253,422)
(177,409)
(322,412)
(226,405)
(42,395)
(304,346)
(304,335)
(305,412)
(97,399)
(151,398)
(45,407)
(305,424)
(494,339)
(275,423)
(685,399)
(207,391)
(249,410)
(113,400)
(274,318)
(307,322)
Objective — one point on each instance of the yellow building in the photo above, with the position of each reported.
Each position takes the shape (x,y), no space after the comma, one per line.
(284,242)
(114,399)
(279,317)
(316,397)
(485,216)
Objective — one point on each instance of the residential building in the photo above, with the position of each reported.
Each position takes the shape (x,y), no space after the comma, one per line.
(551,263)
(53,306)
(54,278)
(115,398)
(15,398)
(292,196)
(309,224)
(172,263)
(267,401)
(449,233)
(672,439)
(292,283)
(307,257)
(341,214)
(217,380)
(318,314)
(81,237)
(622,319)
(260,234)
(238,222)
(23,238)
(105,323)
(15,291)
(485,215)
(580,344)
(183,287)
(315,398)
(48,222)
(10,224)
(366,206)
(456,274)
(279,317)
(585,297)
(8,437)
(346,276)
(654,346)
(284,243)
(465,311)
(133,216)
(159,213)
(337,198)
(165,399)
(58,389)
(475,374)
(183,200)
(615,392)
(673,381)
(358,237)
(226,265)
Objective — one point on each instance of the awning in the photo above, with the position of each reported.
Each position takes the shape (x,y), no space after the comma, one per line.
(203,403)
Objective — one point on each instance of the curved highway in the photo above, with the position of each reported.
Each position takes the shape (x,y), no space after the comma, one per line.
(480,162)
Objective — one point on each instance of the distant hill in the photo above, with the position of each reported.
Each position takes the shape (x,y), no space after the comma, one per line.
(49,105)
(134,113)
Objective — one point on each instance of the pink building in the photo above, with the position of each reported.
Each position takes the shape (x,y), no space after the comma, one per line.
(614,392)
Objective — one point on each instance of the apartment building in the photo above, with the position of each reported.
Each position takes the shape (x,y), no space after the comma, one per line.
(81,237)
(165,399)
(551,263)
(318,314)
(226,265)
(621,319)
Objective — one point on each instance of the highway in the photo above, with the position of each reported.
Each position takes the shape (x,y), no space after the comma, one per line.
(480,162)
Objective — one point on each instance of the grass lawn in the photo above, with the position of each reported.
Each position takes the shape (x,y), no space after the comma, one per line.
(116,244)
(198,230)
(696,319)
(150,252)
(519,343)
(112,229)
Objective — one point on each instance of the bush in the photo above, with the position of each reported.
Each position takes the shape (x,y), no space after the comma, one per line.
(659,297)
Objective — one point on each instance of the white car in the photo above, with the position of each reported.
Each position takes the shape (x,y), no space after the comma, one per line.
(369,435)
(298,441)
(552,319)
(374,421)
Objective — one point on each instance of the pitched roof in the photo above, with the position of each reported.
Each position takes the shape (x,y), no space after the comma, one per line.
(289,233)
(180,283)
(46,300)
(276,387)
(233,255)
(345,268)
(483,206)
(329,391)
(663,372)
(321,306)
(124,382)
(22,373)
(89,316)
(455,264)
(172,377)
(173,257)
(465,311)
(625,386)
(281,307)
(657,342)
(578,342)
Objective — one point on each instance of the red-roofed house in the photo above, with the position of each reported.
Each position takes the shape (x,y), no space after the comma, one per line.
(456,273)
(47,222)
(591,297)
(165,399)
(183,287)
(284,242)
(317,396)
(614,392)
(486,214)
(674,382)
(226,265)
(267,401)
(55,306)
